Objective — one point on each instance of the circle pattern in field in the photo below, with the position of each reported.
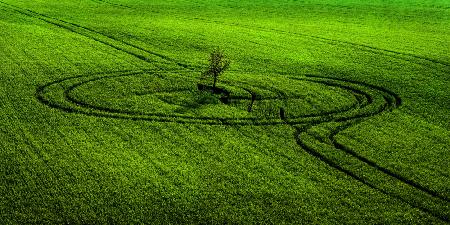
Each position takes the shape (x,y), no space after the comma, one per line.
(245,98)
(309,101)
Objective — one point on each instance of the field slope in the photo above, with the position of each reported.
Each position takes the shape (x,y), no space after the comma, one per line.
(333,112)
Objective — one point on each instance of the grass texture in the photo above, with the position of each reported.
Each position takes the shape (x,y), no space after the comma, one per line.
(101,121)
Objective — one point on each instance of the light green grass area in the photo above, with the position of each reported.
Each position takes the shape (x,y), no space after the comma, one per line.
(101,120)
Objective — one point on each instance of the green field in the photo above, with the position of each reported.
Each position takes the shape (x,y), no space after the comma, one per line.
(101,120)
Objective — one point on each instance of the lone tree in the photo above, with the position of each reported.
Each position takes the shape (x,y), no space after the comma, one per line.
(217,64)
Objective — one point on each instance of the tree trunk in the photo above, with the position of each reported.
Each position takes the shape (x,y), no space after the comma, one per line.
(282,114)
(215,81)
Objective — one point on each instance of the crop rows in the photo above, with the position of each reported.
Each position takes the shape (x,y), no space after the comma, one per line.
(316,132)
(370,101)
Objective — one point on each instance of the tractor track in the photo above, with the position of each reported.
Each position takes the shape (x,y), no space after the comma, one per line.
(112,4)
(425,199)
(96,110)
(409,57)
(302,124)
(370,100)
(120,45)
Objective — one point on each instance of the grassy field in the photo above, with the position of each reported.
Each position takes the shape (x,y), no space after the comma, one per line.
(101,121)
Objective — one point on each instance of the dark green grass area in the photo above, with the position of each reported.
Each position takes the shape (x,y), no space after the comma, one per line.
(102,122)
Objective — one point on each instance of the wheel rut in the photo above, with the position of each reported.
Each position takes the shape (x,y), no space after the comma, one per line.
(120,45)
(370,100)
(112,4)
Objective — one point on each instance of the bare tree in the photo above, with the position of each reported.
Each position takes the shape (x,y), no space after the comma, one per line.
(217,64)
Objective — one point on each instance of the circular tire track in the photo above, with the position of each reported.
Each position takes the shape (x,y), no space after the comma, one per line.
(370,100)
(350,116)
(71,103)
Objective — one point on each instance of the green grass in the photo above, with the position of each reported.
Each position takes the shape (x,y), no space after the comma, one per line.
(101,121)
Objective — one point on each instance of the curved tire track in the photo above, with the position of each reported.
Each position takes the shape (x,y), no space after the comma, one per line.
(370,101)
(410,192)
(96,110)
(391,101)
